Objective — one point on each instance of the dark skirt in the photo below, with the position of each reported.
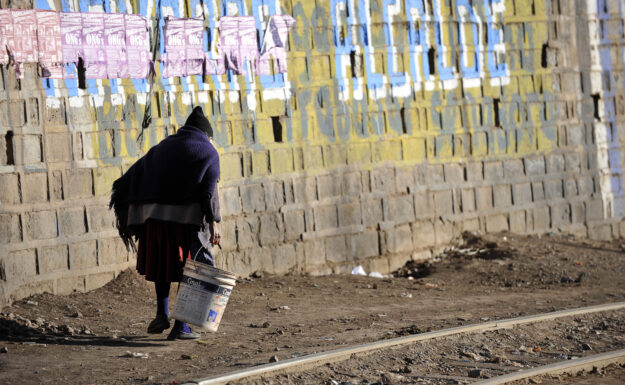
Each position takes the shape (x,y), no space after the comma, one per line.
(165,246)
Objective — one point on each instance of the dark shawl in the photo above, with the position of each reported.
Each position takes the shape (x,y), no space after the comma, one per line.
(183,168)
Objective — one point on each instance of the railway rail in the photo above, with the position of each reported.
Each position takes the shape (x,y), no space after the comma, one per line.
(370,359)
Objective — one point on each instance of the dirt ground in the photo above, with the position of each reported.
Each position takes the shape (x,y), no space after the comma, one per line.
(100,337)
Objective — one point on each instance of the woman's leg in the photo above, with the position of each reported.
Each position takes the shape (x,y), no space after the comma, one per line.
(161,322)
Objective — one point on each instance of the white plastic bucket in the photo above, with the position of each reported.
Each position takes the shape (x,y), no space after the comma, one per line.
(203,294)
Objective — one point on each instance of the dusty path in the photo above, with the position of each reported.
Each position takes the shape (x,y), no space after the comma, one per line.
(83,338)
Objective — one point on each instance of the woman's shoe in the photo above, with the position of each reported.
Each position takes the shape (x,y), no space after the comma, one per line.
(159,324)
(182,335)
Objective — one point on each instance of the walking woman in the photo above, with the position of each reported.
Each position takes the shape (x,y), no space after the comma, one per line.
(165,201)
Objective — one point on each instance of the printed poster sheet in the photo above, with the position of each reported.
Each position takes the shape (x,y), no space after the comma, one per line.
(6,35)
(238,41)
(93,45)
(49,44)
(115,46)
(137,46)
(71,36)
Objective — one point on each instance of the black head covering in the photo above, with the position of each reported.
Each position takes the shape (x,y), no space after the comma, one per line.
(197,119)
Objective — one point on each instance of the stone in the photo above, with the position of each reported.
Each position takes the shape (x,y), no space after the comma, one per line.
(328,186)
(111,251)
(493,171)
(351,184)
(484,198)
(444,231)
(475,373)
(326,217)
(53,259)
(423,234)
(534,165)
(371,212)
(496,223)
(424,204)
(253,198)
(314,254)
(284,258)
(553,189)
(305,189)
(399,239)
(405,180)
(83,255)
(9,189)
(34,187)
(72,221)
(274,195)
(77,183)
(94,281)
(444,202)
(336,249)
(40,225)
(294,224)
(365,244)
(229,201)
(468,200)
(271,229)
(522,193)
(384,180)
(349,214)
(21,265)
(513,168)
(100,218)
(31,148)
(59,147)
(502,195)
(475,172)
(247,232)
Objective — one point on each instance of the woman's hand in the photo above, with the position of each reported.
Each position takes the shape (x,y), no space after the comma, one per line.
(215,233)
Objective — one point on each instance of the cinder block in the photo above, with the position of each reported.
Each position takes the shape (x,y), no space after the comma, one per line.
(585,185)
(247,232)
(40,225)
(534,165)
(53,259)
(30,150)
(542,219)
(56,188)
(517,222)
(365,244)
(445,232)
(502,195)
(384,180)
(475,172)
(59,147)
(371,212)
(468,200)
(294,224)
(435,174)
(305,189)
(77,183)
(553,189)
(493,171)
(313,158)
(83,255)
(561,215)
(454,173)
(111,251)
(351,183)
(284,258)
(572,162)
(94,281)
(471,224)
(229,201)
(69,285)
(423,234)
(424,204)
(575,134)
(328,186)
(405,180)
(326,217)
(281,160)
(10,229)
(271,229)
(21,265)
(101,218)
(496,223)
(34,187)
(103,178)
(555,163)
(72,221)
(314,254)
(522,193)
(399,239)
(513,168)
(349,214)
(578,212)
(274,195)
(444,202)
(484,198)
(594,210)
(253,198)
(9,189)
(336,249)
(378,265)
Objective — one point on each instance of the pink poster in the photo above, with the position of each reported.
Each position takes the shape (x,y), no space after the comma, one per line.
(6,34)
(238,41)
(274,44)
(137,46)
(93,45)
(49,44)
(214,66)
(71,36)
(175,47)
(24,49)
(115,46)
(194,34)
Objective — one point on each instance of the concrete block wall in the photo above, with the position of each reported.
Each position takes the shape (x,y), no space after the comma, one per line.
(398,125)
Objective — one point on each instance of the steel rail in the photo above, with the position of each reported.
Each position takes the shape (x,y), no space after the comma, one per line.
(570,366)
(317,359)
